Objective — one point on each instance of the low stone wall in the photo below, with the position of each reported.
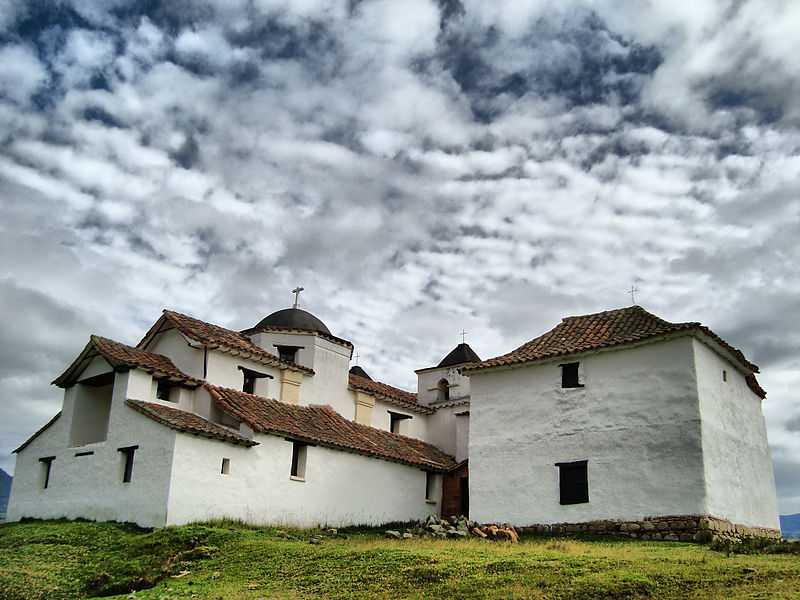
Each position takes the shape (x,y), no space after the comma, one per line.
(685,528)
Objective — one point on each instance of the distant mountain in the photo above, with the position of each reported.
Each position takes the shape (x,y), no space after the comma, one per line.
(5,492)
(790,526)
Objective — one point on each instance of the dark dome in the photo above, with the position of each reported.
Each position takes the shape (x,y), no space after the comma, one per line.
(358,371)
(294,318)
(459,355)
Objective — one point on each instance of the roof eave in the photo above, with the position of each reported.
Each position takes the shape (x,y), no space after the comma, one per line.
(38,432)
(699,332)
(411,406)
(425,465)
(438,368)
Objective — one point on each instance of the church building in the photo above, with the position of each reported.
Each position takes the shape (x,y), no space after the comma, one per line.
(613,416)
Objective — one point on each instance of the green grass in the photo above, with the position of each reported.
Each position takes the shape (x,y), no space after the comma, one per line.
(66,560)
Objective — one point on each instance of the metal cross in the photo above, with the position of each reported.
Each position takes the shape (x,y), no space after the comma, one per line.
(296,291)
(463,336)
(632,292)
(357,355)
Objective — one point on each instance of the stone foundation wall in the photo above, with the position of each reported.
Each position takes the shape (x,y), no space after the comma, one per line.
(686,528)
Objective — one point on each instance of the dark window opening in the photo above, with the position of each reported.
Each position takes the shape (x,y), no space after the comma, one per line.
(573,482)
(226,466)
(249,385)
(288,353)
(127,457)
(47,463)
(394,421)
(87,453)
(162,390)
(299,452)
(429,485)
(724,375)
(442,390)
(463,488)
(569,375)
(250,377)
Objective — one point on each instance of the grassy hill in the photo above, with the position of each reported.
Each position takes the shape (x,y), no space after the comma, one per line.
(60,560)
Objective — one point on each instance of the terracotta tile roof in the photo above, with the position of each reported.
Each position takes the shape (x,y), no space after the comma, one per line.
(602,330)
(186,422)
(121,355)
(324,426)
(39,432)
(226,340)
(388,393)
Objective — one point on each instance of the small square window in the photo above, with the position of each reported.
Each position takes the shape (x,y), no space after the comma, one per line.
(162,390)
(288,353)
(569,375)
(395,420)
(573,482)
(226,466)
(249,378)
(299,453)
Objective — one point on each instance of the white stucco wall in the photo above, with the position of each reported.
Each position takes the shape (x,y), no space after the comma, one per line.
(223,370)
(340,488)
(415,427)
(186,357)
(304,341)
(636,421)
(329,384)
(738,468)
(428,380)
(441,429)
(91,486)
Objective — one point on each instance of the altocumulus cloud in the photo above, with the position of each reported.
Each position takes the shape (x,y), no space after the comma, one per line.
(418,166)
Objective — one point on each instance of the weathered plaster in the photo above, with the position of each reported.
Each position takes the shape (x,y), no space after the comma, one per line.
(339,488)
(740,484)
(636,421)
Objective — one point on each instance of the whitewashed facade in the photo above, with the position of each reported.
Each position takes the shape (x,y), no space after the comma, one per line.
(666,425)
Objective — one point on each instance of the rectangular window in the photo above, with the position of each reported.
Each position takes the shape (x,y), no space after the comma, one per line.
(288,353)
(724,375)
(395,419)
(226,466)
(249,385)
(573,482)
(127,462)
(46,463)
(430,480)
(162,390)
(299,452)
(249,379)
(569,375)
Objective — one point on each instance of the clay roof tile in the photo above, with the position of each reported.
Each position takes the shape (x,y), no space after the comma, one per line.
(618,327)
(324,426)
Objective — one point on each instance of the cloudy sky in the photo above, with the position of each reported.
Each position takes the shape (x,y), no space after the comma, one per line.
(420,166)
